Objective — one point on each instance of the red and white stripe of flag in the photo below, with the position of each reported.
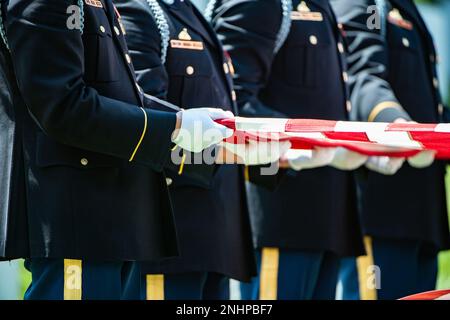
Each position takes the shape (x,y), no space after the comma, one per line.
(370,138)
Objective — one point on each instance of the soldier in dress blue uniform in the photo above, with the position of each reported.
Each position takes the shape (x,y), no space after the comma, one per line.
(289,62)
(91,148)
(404,217)
(178,57)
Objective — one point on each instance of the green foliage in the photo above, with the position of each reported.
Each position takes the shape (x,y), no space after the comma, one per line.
(25,279)
(429,1)
(444,258)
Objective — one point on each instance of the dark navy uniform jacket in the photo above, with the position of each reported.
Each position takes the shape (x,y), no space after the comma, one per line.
(305,78)
(212,221)
(394,75)
(13,218)
(93,150)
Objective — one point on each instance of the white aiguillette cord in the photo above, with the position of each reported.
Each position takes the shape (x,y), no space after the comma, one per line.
(163,102)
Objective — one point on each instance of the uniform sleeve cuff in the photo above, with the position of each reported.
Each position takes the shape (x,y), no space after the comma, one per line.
(387,111)
(154,145)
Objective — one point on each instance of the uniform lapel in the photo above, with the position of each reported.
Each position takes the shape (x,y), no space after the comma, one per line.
(228,78)
(113,17)
(106,7)
(324,4)
(217,43)
(206,32)
(327,9)
(211,33)
(180,15)
(413,13)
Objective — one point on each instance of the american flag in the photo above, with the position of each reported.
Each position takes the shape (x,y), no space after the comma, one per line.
(430,295)
(368,138)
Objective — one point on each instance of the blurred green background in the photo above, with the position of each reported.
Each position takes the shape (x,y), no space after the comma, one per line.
(14,279)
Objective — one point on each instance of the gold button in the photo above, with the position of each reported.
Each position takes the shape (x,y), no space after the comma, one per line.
(349,106)
(127,57)
(313,40)
(168,181)
(102,29)
(340,47)
(190,70)
(405,42)
(440,109)
(233,95)
(345,76)
(225,68)
(84,162)
(117,30)
(436,83)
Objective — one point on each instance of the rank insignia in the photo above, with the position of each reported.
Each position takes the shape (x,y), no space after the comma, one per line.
(304,13)
(184,35)
(185,41)
(396,18)
(94,3)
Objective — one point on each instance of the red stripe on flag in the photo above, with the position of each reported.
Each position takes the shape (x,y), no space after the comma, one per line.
(429,295)
(350,136)
(310,125)
(412,127)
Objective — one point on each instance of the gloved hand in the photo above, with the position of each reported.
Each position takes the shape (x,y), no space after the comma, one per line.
(345,159)
(422,160)
(198,130)
(258,152)
(309,159)
(385,165)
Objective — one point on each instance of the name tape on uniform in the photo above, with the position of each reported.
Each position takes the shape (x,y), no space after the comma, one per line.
(304,13)
(307,16)
(94,3)
(186,44)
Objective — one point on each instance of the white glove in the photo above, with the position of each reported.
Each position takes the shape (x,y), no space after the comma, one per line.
(309,159)
(385,165)
(199,131)
(422,159)
(258,152)
(345,159)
